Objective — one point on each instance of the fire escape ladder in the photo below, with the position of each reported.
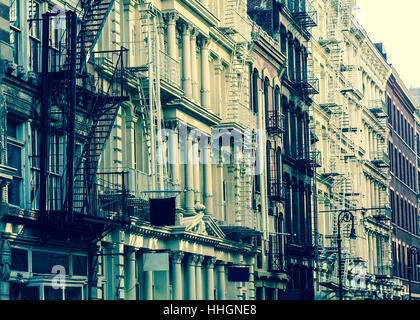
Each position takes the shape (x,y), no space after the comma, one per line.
(104,109)
(94,17)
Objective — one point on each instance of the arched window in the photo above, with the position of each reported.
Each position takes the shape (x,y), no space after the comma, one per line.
(272,165)
(277,111)
(268,106)
(255,77)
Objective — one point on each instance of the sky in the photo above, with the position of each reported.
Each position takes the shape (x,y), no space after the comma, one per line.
(395,23)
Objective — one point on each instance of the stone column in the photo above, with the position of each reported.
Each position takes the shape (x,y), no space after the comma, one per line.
(191,263)
(218,73)
(173,156)
(119,265)
(189,178)
(194,71)
(130,156)
(221,282)
(198,278)
(205,73)
(186,59)
(177,275)
(196,169)
(5,264)
(171,20)
(208,179)
(148,285)
(210,278)
(131,274)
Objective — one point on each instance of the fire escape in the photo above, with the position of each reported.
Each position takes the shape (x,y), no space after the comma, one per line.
(90,204)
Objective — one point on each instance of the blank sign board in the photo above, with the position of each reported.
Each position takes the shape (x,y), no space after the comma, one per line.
(158,261)
(238,274)
(162,212)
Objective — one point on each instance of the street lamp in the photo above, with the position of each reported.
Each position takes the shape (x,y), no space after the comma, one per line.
(411,252)
(343,216)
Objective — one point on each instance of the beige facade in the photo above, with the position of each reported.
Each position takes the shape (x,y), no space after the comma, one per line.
(187,81)
(350,122)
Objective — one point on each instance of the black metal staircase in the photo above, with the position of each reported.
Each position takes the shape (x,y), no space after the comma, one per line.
(95,13)
(103,112)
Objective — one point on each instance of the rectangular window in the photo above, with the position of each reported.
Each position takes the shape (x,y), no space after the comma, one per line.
(19,259)
(79,265)
(14,160)
(34,36)
(35,168)
(43,262)
(15,29)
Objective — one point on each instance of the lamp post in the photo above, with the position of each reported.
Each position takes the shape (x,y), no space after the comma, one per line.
(411,252)
(343,216)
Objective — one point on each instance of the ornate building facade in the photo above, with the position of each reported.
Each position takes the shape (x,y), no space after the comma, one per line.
(350,120)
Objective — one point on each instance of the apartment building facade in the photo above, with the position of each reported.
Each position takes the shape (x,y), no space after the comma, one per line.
(401,110)
(163,115)
(350,122)
(290,23)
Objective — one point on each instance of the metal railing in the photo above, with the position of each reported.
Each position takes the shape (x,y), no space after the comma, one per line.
(380,158)
(170,70)
(277,261)
(305,14)
(382,271)
(308,86)
(274,122)
(378,108)
(241,25)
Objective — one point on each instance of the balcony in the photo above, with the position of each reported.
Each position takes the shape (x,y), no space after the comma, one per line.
(382,272)
(242,115)
(305,14)
(384,214)
(276,191)
(380,159)
(242,221)
(274,123)
(378,108)
(170,70)
(276,259)
(124,193)
(310,159)
(236,25)
(307,86)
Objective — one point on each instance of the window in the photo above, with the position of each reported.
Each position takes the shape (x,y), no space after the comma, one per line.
(14,160)
(35,168)
(255,78)
(34,36)
(43,262)
(19,260)
(79,265)
(15,30)
(389,110)
(55,187)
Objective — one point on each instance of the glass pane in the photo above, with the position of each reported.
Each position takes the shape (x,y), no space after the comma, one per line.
(30,293)
(19,259)
(79,265)
(14,13)
(73,293)
(13,192)
(52,294)
(11,129)
(43,262)
(14,42)
(14,157)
